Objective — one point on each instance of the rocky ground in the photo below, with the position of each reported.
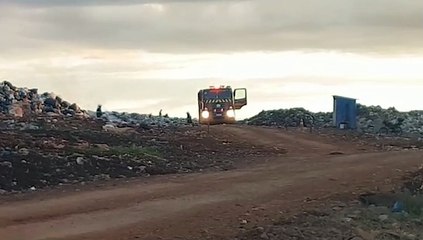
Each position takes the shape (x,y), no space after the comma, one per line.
(346,221)
(395,215)
(49,151)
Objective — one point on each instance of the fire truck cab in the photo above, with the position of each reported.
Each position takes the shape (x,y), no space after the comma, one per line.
(217,105)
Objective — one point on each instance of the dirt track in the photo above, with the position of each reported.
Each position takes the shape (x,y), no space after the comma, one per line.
(208,205)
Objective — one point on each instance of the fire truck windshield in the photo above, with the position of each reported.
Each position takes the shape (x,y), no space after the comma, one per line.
(218,93)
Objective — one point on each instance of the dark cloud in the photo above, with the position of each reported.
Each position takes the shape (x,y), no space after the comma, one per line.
(216,26)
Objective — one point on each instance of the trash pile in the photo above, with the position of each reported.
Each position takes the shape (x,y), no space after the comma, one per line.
(24,102)
(121,119)
(290,117)
(369,117)
(375,117)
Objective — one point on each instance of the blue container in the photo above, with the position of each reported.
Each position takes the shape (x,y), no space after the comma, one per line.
(344,112)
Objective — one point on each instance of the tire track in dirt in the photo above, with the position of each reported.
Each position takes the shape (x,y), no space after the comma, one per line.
(295,142)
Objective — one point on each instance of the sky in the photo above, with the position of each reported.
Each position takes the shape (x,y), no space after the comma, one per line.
(143,56)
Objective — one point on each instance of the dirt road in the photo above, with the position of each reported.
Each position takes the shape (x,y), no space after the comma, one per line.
(208,205)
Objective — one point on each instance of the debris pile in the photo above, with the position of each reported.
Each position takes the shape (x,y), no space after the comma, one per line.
(24,102)
(142,120)
(375,117)
(369,119)
(290,117)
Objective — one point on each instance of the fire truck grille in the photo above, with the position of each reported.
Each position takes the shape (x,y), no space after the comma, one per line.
(218,100)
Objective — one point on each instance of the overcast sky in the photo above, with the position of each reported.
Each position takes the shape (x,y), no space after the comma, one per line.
(140,56)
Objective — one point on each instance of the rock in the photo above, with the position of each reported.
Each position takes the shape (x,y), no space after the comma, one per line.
(337,209)
(102,146)
(23,151)
(50,102)
(2,191)
(80,160)
(383,217)
(353,216)
(6,164)
(264,236)
(141,168)
(109,127)
(101,177)
(342,205)
(411,236)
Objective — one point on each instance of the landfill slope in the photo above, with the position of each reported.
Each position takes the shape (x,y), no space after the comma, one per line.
(369,118)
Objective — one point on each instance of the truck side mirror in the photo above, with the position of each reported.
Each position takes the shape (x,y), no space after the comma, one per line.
(240,98)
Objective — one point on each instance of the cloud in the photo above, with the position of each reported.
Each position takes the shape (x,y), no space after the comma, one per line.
(381,26)
(78,3)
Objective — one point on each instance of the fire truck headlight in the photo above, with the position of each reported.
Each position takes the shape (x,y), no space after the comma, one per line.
(230,113)
(205,114)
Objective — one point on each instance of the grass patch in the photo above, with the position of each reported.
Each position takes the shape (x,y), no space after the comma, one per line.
(414,205)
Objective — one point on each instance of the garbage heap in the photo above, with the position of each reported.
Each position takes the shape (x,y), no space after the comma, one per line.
(122,119)
(18,102)
(373,117)
(291,118)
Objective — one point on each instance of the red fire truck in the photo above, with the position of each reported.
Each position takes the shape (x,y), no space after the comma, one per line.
(217,105)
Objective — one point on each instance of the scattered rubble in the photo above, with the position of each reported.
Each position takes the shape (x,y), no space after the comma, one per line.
(414,182)
(74,151)
(146,121)
(354,222)
(24,102)
(376,216)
